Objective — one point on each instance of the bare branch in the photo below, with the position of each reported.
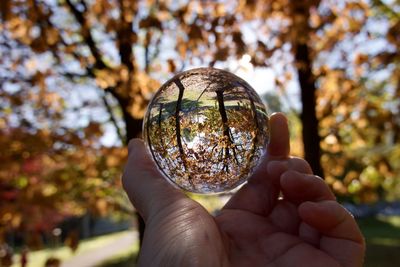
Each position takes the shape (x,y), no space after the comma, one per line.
(113,118)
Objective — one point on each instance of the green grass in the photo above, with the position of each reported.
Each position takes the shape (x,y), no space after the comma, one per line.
(38,258)
(126,259)
(382,235)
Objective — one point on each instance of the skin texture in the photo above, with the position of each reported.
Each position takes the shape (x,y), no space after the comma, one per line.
(283,216)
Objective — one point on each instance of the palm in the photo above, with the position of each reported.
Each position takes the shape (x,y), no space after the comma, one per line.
(306,227)
(240,238)
(265,242)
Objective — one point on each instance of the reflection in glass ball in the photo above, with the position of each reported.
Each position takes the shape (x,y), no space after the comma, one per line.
(206,129)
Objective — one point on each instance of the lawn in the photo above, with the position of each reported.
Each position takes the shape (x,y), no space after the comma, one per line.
(63,253)
(383,241)
(122,260)
(382,235)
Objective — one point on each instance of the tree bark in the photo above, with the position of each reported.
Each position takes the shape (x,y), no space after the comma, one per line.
(134,130)
(226,131)
(311,137)
(224,119)
(178,109)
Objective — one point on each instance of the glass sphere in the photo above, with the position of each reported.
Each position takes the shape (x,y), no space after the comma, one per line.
(206,129)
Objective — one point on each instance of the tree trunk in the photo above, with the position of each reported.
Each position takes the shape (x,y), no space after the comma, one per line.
(311,138)
(178,109)
(134,130)
(228,142)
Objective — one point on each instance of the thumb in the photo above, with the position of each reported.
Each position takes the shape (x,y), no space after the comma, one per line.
(147,189)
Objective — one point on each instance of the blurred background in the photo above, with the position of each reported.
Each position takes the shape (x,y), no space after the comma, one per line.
(76,76)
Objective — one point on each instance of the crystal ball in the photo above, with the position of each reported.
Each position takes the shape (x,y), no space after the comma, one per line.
(206,129)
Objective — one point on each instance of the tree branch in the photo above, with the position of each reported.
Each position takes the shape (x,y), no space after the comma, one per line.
(113,118)
(125,37)
(385,8)
(86,34)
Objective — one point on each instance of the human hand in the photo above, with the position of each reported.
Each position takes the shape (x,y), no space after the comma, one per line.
(306,227)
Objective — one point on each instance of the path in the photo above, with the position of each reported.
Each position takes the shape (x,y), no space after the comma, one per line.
(96,256)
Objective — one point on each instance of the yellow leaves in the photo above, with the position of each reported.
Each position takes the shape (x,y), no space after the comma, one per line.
(115,157)
(101,7)
(336,26)
(112,161)
(101,206)
(31,64)
(49,190)
(16,220)
(315,19)
(338,187)
(330,81)
(21,182)
(137,107)
(3,123)
(181,47)
(16,146)
(52,36)
(371,177)
(220,10)
(19,29)
(10,218)
(53,101)
(23,30)
(163,15)
(91,172)
(112,77)
(331,139)
(93,129)
(106,78)
(354,187)
(124,74)
(351,176)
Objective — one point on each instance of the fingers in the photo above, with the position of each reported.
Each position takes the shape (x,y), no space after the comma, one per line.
(324,221)
(331,219)
(259,195)
(147,189)
(309,234)
(279,145)
(300,187)
(284,215)
(341,237)
(277,168)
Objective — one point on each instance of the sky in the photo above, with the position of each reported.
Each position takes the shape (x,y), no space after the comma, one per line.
(261,79)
